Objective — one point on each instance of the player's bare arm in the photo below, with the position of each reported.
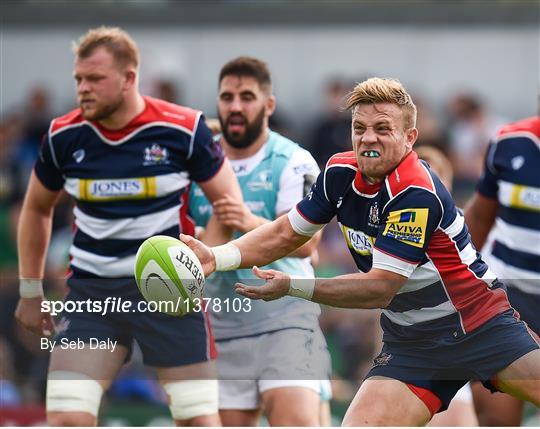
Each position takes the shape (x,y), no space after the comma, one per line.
(237,215)
(480,216)
(374,289)
(261,246)
(33,237)
(224,183)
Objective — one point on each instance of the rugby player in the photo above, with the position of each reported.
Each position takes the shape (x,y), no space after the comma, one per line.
(507,205)
(127,160)
(446,318)
(259,349)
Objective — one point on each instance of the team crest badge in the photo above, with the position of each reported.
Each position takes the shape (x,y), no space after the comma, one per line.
(374,214)
(155,155)
(78,155)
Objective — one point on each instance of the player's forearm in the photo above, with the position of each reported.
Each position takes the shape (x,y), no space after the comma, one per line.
(33,236)
(307,249)
(216,233)
(268,243)
(353,291)
(480,216)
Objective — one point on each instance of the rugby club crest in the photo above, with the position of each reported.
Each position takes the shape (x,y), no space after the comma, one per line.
(374,215)
(155,155)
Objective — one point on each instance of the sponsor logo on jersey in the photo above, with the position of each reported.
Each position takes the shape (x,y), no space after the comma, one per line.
(240,169)
(408,226)
(525,197)
(263,182)
(358,241)
(256,207)
(155,154)
(117,189)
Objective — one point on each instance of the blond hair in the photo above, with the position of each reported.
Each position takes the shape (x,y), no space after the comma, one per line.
(117,41)
(380,90)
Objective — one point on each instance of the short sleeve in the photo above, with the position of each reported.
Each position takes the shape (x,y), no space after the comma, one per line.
(296,180)
(314,211)
(206,155)
(487,185)
(409,221)
(46,167)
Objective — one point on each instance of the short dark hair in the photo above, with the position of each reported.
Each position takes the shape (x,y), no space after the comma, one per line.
(248,67)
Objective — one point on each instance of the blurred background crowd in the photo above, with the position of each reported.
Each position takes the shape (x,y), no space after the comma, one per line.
(459,119)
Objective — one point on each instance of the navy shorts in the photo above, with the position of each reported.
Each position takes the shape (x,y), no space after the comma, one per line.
(165,341)
(527,305)
(443,367)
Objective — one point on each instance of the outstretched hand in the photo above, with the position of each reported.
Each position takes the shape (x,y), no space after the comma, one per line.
(276,286)
(203,253)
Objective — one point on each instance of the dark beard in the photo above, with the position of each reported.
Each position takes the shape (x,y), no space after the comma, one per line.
(252,132)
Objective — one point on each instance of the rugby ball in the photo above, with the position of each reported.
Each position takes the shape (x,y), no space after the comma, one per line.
(169,275)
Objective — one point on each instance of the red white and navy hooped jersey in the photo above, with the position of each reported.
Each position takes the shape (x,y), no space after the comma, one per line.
(409,225)
(128,184)
(511,176)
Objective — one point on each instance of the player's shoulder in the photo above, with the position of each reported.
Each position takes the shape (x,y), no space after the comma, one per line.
(410,174)
(174,115)
(280,145)
(345,160)
(528,128)
(339,173)
(65,122)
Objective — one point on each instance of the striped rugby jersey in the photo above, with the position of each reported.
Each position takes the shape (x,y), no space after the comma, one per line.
(409,225)
(511,176)
(128,184)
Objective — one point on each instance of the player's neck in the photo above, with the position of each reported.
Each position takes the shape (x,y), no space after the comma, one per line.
(134,105)
(242,153)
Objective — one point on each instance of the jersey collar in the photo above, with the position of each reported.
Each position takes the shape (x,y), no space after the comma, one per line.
(365,188)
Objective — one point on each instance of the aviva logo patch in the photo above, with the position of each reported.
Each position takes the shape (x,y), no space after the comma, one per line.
(408,226)
(117,189)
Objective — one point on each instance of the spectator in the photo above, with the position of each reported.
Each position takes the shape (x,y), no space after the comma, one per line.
(470,130)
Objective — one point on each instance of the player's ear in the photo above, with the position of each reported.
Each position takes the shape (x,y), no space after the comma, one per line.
(270,105)
(412,135)
(131,79)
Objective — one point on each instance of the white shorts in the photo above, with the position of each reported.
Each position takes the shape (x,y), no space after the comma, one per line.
(286,358)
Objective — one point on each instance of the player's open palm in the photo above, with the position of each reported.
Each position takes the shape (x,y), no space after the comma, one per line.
(30,315)
(203,253)
(276,286)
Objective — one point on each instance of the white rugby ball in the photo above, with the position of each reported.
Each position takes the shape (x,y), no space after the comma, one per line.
(169,274)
